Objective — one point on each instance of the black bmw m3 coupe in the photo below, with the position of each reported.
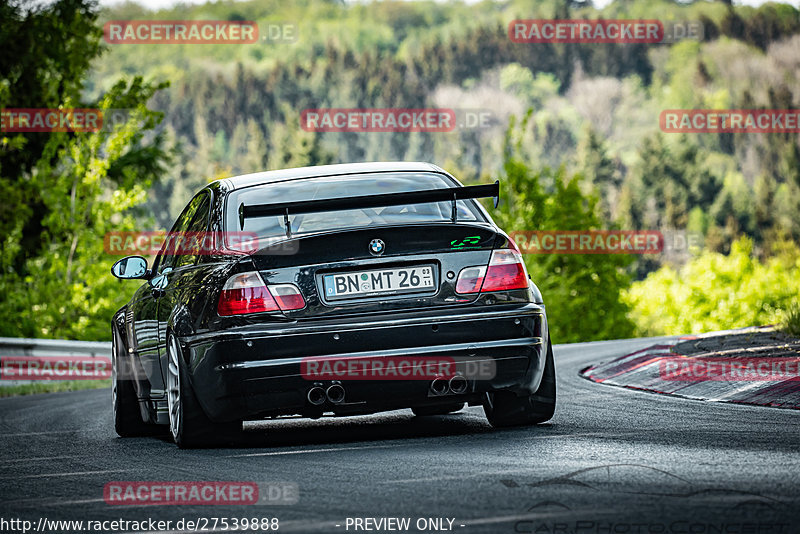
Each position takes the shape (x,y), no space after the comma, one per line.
(342,289)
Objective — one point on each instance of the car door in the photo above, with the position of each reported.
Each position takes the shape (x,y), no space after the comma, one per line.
(177,271)
(141,320)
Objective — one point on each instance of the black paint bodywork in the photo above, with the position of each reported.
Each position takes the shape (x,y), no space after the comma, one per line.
(248,367)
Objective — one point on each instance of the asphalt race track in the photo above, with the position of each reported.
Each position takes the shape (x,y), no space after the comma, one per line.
(612,460)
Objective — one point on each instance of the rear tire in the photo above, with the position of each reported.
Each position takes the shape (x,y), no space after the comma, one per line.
(188,424)
(424,411)
(128,421)
(506,409)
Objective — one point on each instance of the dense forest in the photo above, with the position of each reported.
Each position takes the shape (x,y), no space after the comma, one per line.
(235,108)
(573,135)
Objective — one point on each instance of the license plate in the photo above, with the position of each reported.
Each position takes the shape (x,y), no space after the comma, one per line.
(378,282)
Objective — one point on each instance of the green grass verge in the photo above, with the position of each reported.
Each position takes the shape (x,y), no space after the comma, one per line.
(53,386)
(791,321)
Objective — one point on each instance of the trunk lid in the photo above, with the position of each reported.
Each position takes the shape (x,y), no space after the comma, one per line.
(431,253)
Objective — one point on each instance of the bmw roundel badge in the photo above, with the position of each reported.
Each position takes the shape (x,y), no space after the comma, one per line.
(376,247)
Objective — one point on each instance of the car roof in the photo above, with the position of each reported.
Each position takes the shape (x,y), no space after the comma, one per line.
(298,173)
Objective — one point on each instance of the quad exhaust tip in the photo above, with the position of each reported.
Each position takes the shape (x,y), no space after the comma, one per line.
(316,396)
(335,393)
(439,386)
(458,384)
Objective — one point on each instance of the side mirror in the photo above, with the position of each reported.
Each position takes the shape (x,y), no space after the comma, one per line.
(131,267)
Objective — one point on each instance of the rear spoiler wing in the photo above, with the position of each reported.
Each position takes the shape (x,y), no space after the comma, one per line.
(369,201)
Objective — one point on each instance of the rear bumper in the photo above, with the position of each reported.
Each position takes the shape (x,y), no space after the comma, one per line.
(257,371)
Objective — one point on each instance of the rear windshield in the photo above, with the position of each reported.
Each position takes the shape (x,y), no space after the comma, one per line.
(339,187)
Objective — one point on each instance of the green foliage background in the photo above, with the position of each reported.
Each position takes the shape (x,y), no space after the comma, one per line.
(62,192)
(717,292)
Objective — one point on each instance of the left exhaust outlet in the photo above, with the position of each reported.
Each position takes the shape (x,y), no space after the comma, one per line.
(316,396)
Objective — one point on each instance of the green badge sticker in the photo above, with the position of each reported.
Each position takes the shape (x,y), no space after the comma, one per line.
(467,242)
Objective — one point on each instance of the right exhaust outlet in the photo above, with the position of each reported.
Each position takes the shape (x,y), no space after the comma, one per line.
(335,393)
(458,384)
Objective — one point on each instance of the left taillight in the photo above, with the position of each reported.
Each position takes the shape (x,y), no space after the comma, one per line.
(506,271)
(247,293)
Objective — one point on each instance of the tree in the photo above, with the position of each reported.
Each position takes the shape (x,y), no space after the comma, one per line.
(601,172)
(715,292)
(70,188)
(294,147)
(581,291)
(675,179)
(46,51)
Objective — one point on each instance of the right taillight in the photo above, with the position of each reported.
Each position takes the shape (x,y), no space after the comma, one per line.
(505,271)
(247,293)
